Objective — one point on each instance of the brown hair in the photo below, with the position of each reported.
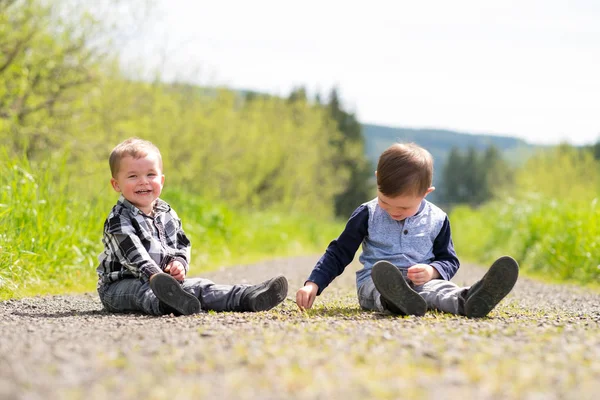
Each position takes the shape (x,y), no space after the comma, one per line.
(404,169)
(133,147)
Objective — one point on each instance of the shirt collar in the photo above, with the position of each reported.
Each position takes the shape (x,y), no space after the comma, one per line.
(159,206)
(421,207)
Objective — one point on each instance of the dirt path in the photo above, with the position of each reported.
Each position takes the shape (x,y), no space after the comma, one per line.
(542,343)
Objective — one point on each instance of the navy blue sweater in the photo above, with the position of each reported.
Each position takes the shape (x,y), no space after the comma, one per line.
(341,251)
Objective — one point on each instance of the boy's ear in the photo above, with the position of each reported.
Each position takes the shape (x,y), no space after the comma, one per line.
(115,184)
(431,189)
(162,181)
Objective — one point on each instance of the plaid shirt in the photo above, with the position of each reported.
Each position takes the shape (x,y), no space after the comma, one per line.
(138,246)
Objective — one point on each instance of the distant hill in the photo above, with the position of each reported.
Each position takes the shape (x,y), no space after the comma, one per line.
(439,142)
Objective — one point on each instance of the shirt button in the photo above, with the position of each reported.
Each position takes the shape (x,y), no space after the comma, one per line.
(406,231)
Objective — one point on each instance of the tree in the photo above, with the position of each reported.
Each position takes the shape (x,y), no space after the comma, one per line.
(454,191)
(50,55)
(350,158)
(474,177)
(297,94)
(595,149)
(43,61)
(498,175)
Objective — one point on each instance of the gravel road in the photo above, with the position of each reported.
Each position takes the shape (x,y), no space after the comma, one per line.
(542,342)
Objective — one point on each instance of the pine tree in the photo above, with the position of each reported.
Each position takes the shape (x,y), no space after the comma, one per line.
(474,178)
(350,157)
(454,191)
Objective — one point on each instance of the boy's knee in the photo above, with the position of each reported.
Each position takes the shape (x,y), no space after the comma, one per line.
(369,300)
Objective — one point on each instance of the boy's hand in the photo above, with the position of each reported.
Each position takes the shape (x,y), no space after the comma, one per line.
(420,274)
(306,295)
(176,270)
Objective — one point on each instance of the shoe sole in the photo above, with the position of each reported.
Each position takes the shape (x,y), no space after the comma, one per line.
(168,290)
(495,285)
(271,295)
(391,284)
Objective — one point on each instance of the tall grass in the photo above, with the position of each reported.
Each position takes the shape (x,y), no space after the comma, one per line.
(49,236)
(557,240)
(50,232)
(550,223)
(222,236)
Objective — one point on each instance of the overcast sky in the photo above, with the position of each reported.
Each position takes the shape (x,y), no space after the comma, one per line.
(529,69)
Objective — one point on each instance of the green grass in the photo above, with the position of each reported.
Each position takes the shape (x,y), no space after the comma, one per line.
(556,240)
(51,229)
(49,237)
(51,232)
(221,236)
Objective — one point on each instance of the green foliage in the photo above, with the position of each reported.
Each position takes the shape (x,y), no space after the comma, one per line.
(51,233)
(349,159)
(44,63)
(550,224)
(594,149)
(563,172)
(557,240)
(474,177)
(221,236)
(261,154)
(255,152)
(252,176)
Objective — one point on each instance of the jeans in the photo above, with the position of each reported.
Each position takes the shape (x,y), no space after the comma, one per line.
(133,295)
(439,295)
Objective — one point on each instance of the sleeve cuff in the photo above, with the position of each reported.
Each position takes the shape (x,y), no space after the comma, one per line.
(151,270)
(183,262)
(440,271)
(320,285)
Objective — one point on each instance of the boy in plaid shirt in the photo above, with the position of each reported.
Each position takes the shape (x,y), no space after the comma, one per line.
(146,255)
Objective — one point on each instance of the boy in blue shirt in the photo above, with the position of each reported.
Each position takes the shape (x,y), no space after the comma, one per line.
(408,256)
(146,254)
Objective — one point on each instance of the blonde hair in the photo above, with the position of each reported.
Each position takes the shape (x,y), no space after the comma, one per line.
(133,147)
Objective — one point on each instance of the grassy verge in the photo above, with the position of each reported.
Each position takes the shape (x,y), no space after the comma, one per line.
(221,236)
(554,240)
(51,233)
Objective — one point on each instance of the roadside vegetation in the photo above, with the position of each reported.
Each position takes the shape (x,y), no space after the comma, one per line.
(51,232)
(548,219)
(253,176)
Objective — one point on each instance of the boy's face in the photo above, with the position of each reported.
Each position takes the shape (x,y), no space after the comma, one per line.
(401,207)
(140,180)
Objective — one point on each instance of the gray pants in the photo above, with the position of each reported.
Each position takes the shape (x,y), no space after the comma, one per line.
(133,295)
(439,295)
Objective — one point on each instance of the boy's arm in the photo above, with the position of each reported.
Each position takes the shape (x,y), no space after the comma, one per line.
(341,251)
(445,261)
(183,246)
(123,242)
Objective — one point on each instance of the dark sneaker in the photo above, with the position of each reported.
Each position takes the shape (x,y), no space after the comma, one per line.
(265,296)
(169,291)
(486,293)
(395,292)
(390,307)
